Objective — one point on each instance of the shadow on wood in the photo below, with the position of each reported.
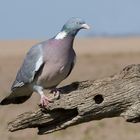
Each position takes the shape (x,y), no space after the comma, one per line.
(117,95)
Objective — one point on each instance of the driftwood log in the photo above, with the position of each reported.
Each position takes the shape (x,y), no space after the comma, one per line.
(117,95)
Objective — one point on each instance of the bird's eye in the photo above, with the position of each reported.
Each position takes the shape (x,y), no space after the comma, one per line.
(77,22)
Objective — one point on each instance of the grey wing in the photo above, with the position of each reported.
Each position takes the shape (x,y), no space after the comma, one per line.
(72,65)
(31,65)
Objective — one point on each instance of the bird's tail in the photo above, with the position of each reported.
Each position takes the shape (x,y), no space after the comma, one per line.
(14,99)
(17,100)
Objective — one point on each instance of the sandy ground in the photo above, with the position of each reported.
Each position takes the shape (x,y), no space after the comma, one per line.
(97,58)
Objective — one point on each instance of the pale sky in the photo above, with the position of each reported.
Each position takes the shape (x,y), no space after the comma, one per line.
(40,19)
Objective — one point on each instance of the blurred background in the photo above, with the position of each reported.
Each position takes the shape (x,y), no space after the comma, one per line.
(41,19)
(112,43)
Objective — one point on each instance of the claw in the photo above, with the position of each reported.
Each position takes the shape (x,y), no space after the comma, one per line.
(45,101)
(56,93)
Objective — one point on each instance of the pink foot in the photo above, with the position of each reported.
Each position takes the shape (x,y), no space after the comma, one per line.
(44,101)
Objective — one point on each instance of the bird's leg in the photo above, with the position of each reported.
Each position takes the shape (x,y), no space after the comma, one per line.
(56,93)
(44,101)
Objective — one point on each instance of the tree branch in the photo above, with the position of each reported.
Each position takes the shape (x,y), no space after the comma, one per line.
(118,95)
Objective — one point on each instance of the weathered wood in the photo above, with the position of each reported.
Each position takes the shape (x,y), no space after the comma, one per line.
(118,95)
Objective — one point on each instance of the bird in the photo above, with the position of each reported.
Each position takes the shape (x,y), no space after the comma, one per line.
(46,64)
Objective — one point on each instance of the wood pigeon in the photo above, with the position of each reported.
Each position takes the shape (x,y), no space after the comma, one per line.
(46,65)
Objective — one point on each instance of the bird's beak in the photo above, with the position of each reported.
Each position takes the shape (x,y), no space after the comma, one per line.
(85,26)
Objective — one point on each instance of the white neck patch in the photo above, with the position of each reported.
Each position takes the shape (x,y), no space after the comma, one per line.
(61,35)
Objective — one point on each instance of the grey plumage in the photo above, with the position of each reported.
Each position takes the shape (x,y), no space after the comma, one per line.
(21,90)
(46,65)
(27,72)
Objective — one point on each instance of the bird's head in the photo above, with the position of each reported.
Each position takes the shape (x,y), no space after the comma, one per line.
(71,28)
(73,25)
